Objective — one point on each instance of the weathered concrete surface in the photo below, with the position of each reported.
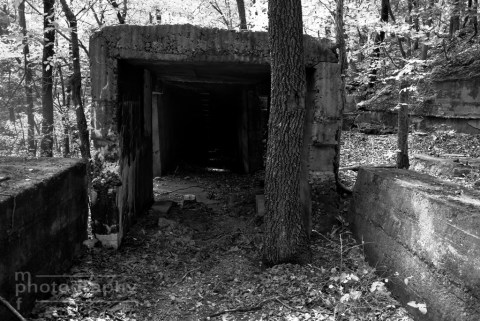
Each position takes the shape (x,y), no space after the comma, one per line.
(43,222)
(417,227)
(454,102)
(456,166)
(174,44)
(179,43)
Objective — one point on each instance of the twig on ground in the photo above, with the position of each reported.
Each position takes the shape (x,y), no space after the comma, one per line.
(184,276)
(355,168)
(289,307)
(243,308)
(12,309)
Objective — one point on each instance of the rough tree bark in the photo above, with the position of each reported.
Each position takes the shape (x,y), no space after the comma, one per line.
(28,82)
(286,235)
(47,78)
(76,83)
(241,14)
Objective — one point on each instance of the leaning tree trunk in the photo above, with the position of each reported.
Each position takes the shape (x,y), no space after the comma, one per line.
(286,235)
(76,84)
(47,78)
(28,81)
(120,16)
(241,14)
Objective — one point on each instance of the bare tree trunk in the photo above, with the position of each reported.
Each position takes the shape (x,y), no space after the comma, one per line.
(76,84)
(121,17)
(28,82)
(342,60)
(474,17)
(402,153)
(286,235)
(469,13)
(47,78)
(241,14)
(416,23)
(342,49)
(455,17)
(65,117)
(379,38)
(226,20)
(400,46)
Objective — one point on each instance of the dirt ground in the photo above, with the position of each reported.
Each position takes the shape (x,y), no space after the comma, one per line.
(202,262)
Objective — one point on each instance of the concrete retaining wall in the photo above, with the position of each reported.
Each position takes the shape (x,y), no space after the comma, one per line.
(43,222)
(425,231)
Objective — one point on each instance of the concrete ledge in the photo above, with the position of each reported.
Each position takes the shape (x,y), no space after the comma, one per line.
(456,166)
(422,229)
(43,222)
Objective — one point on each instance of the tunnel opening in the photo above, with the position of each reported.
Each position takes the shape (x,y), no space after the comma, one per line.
(206,116)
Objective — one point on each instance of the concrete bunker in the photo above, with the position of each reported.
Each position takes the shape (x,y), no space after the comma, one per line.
(173,94)
(210,115)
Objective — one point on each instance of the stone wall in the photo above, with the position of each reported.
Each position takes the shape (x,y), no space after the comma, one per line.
(423,234)
(43,222)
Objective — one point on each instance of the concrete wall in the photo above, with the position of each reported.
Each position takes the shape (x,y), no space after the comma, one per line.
(457,98)
(453,102)
(43,222)
(324,92)
(135,195)
(422,230)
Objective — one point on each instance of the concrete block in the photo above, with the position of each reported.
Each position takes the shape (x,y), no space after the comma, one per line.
(420,228)
(43,222)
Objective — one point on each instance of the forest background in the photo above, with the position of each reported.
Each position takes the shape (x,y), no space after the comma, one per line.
(44,71)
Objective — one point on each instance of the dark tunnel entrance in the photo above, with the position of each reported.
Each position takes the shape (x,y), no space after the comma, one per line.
(208,116)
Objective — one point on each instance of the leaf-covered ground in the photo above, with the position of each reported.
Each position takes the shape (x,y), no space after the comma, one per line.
(361,149)
(204,264)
